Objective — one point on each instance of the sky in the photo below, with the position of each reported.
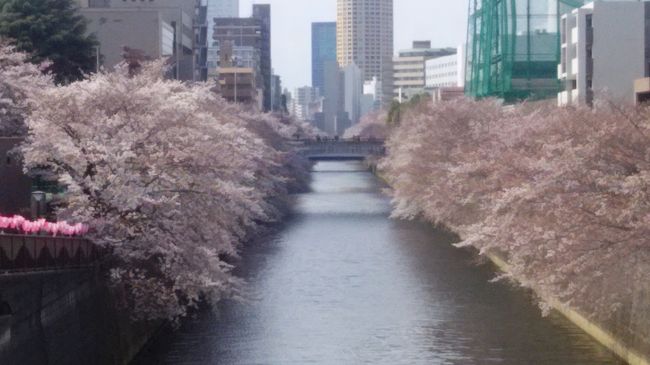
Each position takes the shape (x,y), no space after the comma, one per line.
(443,22)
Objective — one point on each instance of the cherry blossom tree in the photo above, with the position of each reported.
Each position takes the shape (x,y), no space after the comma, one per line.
(372,125)
(171,178)
(560,193)
(18,78)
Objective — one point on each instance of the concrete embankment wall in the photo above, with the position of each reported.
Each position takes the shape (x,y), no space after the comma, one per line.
(613,336)
(627,335)
(62,318)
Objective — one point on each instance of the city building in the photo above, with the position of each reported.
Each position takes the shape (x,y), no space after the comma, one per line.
(409,68)
(370,100)
(513,48)
(446,71)
(262,12)
(149,27)
(222,9)
(323,49)
(147,32)
(364,37)
(642,90)
(333,98)
(201,41)
(604,49)
(236,83)
(287,100)
(239,43)
(352,92)
(217,9)
(445,76)
(276,94)
(305,103)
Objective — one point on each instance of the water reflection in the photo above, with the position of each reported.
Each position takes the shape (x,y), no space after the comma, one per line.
(344,284)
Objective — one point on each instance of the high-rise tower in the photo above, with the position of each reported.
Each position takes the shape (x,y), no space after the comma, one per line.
(323,49)
(364,36)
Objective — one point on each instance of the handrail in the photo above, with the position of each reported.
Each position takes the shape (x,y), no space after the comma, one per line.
(343,148)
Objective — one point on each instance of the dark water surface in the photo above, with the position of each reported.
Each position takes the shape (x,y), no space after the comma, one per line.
(344,284)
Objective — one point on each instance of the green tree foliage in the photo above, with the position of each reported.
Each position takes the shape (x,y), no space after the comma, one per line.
(50,30)
(396,108)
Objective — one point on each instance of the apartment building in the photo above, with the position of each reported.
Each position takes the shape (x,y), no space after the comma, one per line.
(604,49)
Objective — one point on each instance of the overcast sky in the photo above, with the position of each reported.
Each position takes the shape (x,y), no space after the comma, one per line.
(441,21)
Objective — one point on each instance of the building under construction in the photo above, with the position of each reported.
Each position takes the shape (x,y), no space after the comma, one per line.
(513,48)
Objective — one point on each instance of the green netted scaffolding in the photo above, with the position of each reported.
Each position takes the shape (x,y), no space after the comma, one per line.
(513,48)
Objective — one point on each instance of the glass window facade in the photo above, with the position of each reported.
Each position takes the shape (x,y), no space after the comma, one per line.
(323,49)
(514,48)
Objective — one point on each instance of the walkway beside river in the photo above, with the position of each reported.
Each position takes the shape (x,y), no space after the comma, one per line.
(342,283)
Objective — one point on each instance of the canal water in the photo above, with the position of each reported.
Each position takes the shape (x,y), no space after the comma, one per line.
(342,283)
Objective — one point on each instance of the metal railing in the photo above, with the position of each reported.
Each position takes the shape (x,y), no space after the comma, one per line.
(352,148)
(39,253)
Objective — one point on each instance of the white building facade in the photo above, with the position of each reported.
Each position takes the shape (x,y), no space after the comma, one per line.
(603,50)
(446,71)
(409,68)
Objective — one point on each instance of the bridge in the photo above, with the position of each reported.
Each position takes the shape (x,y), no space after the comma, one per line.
(340,150)
(24,253)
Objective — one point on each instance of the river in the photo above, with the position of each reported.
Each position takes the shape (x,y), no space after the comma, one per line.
(342,283)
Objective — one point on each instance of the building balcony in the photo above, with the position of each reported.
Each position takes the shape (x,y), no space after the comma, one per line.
(574,35)
(575,69)
(561,72)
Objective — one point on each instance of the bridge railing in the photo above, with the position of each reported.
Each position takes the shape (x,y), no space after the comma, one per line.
(343,147)
(36,253)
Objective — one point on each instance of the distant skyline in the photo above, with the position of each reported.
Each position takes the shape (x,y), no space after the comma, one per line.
(443,22)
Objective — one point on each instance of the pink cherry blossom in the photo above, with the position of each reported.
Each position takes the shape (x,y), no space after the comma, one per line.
(172,178)
(562,193)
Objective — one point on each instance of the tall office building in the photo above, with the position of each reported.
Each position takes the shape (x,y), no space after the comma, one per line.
(323,49)
(262,12)
(217,9)
(364,36)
